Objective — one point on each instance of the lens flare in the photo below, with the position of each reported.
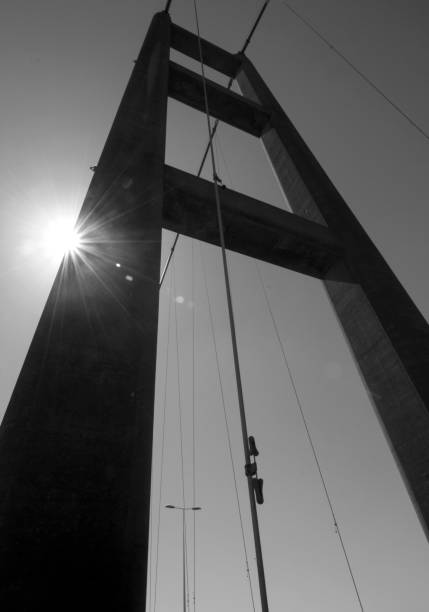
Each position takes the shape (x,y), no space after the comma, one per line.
(61,238)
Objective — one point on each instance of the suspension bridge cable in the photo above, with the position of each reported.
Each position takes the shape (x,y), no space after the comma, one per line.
(185,543)
(213,131)
(162,444)
(227,429)
(180,412)
(369,82)
(179,394)
(194,487)
(308,435)
(149,598)
(230,82)
(299,403)
(239,386)
(255,25)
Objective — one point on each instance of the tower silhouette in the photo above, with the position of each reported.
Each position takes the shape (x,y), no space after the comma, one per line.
(76,440)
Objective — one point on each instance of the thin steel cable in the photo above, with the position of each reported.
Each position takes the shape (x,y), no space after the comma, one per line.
(179,394)
(162,444)
(367,80)
(217,142)
(308,434)
(149,602)
(230,82)
(213,132)
(227,429)
(239,386)
(186,566)
(180,411)
(194,485)
(255,25)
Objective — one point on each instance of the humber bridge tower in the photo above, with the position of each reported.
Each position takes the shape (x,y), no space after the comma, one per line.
(76,441)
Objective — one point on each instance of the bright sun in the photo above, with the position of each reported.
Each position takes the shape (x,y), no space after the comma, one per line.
(60,238)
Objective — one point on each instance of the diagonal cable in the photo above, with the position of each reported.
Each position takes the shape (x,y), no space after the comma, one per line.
(367,80)
(162,447)
(309,437)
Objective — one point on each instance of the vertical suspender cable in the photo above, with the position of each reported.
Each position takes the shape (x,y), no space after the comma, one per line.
(194,492)
(228,434)
(179,394)
(180,410)
(162,448)
(309,437)
(256,535)
(304,420)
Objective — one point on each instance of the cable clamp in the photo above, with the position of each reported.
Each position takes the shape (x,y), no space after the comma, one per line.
(257,487)
(251,469)
(217,179)
(252,447)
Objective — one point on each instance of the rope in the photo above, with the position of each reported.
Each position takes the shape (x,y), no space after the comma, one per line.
(228,434)
(399,110)
(212,132)
(162,446)
(309,437)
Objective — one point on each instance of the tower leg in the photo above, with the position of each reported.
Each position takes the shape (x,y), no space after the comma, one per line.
(387,334)
(76,441)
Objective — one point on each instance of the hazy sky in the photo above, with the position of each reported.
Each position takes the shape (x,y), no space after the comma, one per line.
(64,67)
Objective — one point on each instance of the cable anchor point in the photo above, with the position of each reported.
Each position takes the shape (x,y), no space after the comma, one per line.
(218,181)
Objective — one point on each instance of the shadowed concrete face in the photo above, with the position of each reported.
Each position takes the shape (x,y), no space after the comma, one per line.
(76,442)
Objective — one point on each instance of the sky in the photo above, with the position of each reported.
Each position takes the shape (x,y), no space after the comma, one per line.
(64,68)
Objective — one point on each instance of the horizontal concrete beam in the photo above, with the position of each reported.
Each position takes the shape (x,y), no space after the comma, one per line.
(252,227)
(213,56)
(186,86)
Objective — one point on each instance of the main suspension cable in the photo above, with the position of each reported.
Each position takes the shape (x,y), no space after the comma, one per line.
(255,525)
(309,437)
(213,129)
(367,80)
